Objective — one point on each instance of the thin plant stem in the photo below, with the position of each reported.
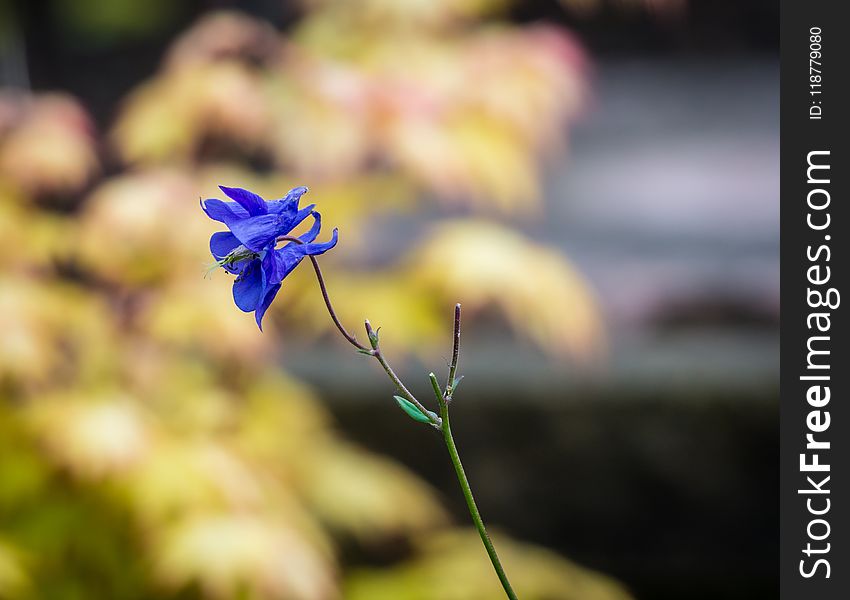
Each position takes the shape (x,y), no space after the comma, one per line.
(351,339)
(441,422)
(470,502)
(443,401)
(379,356)
(375,350)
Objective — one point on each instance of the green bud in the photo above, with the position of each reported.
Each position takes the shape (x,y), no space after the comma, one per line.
(413,411)
(438,393)
(373,335)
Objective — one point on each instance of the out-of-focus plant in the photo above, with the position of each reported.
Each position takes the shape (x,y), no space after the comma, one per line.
(368,95)
(386,118)
(150,444)
(447,568)
(30,163)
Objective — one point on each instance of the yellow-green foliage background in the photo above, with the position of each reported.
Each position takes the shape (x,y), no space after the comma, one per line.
(152,444)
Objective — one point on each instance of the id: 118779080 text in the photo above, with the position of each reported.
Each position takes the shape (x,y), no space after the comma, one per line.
(815,74)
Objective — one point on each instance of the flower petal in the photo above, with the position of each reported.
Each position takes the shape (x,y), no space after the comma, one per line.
(270,294)
(301,215)
(250,201)
(249,286)
(290,222)
(296,193)
(274,267)
(289,203)
(256,233)
(279,263)
(317,248)
(224,212)
(314,229)
(223,243)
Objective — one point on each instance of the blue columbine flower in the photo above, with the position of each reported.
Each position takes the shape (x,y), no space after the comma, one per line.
(249,249)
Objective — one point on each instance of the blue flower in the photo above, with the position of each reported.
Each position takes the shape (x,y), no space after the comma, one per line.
(249,250)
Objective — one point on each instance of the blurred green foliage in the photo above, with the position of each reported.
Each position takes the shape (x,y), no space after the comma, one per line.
(150,444)
(99,23)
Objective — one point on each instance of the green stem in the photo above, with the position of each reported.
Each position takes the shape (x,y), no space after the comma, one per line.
(470,503)
(401,387)
(442,423)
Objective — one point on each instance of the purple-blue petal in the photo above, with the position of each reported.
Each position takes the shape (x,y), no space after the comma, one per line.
(290,222)
(256,233)
(249,287)
(223,243)
(274,267)
(250,201)
(263,306)
(295,193)
(288,204)
(281,262)
(316,248)
(287,259)
(314,229)
(224,212)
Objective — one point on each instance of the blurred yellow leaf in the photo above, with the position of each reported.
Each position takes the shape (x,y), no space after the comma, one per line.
(51,331)
(143,227)
(538,291)
(180,478)
(411,14)
(198,313)
(32,241)
(49,146)
(14,580)
(241,555)
(468,157)
(331,137)
(454,566)
(340,100)
(410,320)
(367,496)
(223,35)
(169,118)
(281,419)
(93,435)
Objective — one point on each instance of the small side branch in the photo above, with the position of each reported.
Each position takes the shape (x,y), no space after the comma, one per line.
(379,356)
(450,383)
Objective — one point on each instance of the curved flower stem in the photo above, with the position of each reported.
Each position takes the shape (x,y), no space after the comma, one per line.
(375,350)
(351,339)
